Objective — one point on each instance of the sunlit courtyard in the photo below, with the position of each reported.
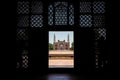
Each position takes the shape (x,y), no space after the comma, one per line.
(61,59)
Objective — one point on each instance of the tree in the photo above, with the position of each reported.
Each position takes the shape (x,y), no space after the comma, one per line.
(72,45)
(50,46)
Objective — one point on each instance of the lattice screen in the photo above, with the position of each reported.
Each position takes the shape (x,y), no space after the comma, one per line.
(36,20)
(100,34)
(98,7)
(23,7)
(22,61)
(99,21)
(23,21)
(58,14)
(29,14)
(36,7)
(50,14)
(71,15)
(22,34)
(85,7)
(25,59)
(85,20)
(92,14)
(100,31)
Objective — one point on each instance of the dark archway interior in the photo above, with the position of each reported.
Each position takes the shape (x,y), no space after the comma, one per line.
(90,20)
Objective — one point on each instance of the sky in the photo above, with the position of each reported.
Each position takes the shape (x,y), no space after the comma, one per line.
(61,35)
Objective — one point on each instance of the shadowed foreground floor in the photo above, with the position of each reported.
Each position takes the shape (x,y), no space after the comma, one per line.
(64,77)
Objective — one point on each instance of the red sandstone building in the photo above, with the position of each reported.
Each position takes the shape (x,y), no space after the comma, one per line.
(61,45)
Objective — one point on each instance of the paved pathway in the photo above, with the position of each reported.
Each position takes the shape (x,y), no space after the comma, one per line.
(63,62)
(61,52)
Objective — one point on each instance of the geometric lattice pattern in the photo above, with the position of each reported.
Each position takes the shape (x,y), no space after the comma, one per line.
(71,15)
(22,34)
(99,21)
(97,59)
(97,54)
(85,20)
(25,59)
(36,7)
(100,34)
(23,21)
(36,21)
(23,7)
(85,7)
(60,3)
(50,15)
(61,13)
(99,7)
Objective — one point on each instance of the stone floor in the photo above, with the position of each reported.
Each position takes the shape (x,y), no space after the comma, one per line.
(64,76)
(61,59)
(61,52)
(61,63)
